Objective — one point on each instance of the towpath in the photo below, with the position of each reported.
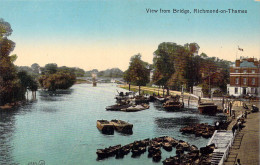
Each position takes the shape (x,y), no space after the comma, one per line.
(246,143)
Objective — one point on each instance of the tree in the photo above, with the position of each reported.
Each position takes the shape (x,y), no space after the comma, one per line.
(164,64)
(89,73)
(171,65)
(27,81)
(127,78)
(50,68)
(35,68)
(58,80)
(138,72)
(9,82)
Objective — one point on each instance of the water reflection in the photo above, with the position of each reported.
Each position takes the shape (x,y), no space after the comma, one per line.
(49,109)
(173,122)
(7,122)
(55,93)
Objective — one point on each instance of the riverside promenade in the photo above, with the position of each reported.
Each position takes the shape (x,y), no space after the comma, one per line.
(246,142)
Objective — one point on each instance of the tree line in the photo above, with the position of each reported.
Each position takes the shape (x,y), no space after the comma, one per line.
(108,73)
(15,81)
(178,66)
(13,84)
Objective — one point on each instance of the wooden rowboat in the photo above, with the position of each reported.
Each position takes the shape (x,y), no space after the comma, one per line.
(105,127)
(122,126)
(173,105)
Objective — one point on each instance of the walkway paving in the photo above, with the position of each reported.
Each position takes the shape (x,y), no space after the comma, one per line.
(246,143)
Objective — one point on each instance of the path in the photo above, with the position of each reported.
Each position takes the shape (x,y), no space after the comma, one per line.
(246,143)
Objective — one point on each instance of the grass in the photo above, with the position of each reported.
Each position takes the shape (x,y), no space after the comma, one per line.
(134,89)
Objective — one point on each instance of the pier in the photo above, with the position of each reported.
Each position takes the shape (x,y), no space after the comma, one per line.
(223,141)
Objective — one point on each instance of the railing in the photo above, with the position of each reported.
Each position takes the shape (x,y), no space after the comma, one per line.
(226,153)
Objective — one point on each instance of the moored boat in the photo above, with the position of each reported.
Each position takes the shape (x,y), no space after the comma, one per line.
(122,126)
(208,108)
(105,127)
(160,99)
(117,107)
(173,105)
(135,108)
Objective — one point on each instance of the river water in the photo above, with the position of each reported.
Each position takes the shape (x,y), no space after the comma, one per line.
(61,128)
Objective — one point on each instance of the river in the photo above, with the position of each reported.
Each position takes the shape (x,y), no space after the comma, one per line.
(61,128)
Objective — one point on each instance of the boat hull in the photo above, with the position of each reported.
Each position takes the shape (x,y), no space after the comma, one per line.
(173,107)
(122,126)
(105,127)
(208,109)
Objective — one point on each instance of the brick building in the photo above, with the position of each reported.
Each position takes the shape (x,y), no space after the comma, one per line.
(244,77)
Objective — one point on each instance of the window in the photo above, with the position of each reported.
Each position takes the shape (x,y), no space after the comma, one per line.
(237,80)
(236,70)
(253,71)
(236,90)
(244,81)
(244,71)
(253,81)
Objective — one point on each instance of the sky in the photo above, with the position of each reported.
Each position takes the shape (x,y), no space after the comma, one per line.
(102,34)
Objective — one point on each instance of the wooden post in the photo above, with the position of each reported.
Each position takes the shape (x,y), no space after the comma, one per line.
(189,102)
(223,103)
(163,91)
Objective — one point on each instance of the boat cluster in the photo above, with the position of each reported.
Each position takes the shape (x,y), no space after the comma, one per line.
(204,129)
(129,102)
(184,151)
(202,156)
(108,127)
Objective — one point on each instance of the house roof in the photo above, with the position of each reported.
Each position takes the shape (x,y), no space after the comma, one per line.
(246,64)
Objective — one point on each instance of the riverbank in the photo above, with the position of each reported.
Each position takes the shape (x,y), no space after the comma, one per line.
(12,105)
(246,143)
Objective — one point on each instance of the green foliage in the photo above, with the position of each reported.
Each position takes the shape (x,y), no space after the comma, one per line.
(175,65)
(172,64)
(163,63)
(79,72)
(35,68)
(5,29)
(10,86)
(27,81)
(88,73)
(54,77)
(50,68)
(138,72)
(58,80)
(108,73)
(13,58)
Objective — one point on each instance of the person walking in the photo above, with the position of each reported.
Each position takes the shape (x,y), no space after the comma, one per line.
(234,128)
(245,114)
(239,125)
